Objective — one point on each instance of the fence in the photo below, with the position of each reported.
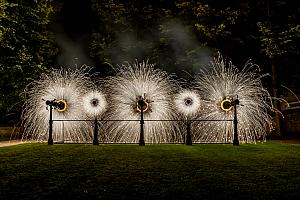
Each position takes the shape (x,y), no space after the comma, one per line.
(188,140)
(187,123)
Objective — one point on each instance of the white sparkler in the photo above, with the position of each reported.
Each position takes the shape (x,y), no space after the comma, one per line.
(187,103)
(156,88)
(66,87)
(221,83)
(94,103)
(210,99)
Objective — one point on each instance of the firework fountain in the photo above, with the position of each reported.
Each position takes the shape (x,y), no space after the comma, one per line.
(188,104)
(219,87)
(141,88)
(143,105)
(63,90)
(94,104)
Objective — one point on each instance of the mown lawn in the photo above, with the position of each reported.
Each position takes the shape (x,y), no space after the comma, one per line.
(212,171)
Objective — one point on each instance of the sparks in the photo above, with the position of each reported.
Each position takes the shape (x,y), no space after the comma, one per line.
(133,83)
(187,103)
(66,88)
(94,103)
(218,86)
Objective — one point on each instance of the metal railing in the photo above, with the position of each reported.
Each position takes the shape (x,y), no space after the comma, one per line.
(53,104)
(188,138)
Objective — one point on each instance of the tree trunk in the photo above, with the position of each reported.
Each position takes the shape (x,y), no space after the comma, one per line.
(276,104)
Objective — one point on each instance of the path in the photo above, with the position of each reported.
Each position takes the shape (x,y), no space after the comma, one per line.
(16,142)
(291,141)
(11,143)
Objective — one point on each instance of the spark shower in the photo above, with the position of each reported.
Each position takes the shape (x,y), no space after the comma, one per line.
(167,106)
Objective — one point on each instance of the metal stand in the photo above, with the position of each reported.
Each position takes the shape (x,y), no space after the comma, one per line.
(188,139)
(235,129)
(95,140)
(142,141)
(50,139)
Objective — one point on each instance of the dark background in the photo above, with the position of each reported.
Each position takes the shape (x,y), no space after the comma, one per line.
(180,36)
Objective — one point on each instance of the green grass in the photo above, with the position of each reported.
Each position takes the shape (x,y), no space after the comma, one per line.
(71,171)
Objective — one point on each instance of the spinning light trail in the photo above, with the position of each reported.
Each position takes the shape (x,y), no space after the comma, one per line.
(65,88)
(218,86)
(139,88)
(132,84)
(94,103)
(188,103)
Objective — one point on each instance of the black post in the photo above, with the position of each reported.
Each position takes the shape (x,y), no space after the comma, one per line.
(188,139)
(95,140)
(50,139)
(235,129)
(142,141)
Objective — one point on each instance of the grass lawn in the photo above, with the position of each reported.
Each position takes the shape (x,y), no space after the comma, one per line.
(78,171)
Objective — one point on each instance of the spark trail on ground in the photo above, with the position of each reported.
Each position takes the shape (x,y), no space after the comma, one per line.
(219,85)
(132,83)
(67,87)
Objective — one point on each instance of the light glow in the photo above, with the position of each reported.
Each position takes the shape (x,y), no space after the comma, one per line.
(64,107)
(218,82)
(226,105)
(66,86)
(132,83)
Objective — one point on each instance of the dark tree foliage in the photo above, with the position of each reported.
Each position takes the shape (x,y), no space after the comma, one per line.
(26,47)
(182,35)
(126,30)
(279,36)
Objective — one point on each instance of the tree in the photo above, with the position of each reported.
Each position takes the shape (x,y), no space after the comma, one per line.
(27,48)
(279,35)
(126,30)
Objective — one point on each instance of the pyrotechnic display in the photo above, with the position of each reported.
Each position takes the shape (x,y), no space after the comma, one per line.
(219,86)
(94,103)
(141,95)
(188,103)
(140,87)
(63,90)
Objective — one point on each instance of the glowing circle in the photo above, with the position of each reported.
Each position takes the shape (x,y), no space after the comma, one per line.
(226,105)
(94,103)
(187,102)
(142,104)
(62,105)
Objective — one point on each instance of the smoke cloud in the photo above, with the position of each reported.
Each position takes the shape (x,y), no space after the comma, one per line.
(72,52)
(189,55)
(173,47)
